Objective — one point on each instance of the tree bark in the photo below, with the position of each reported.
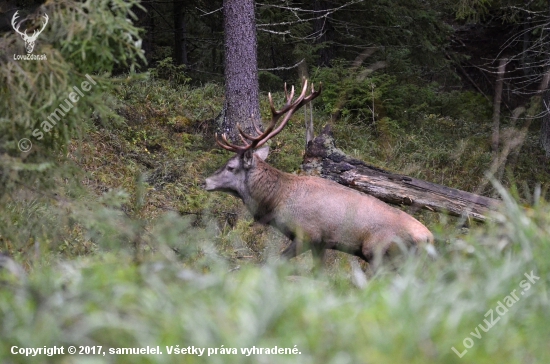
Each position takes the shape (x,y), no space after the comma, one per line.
(545,128)
(180,46)
(242,102)
(323,158)
(324,30)
(496,108)
(527,54)
(145,20)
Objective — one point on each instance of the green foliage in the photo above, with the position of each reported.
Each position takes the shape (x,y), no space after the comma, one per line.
(95,36)
(371,98)
(81,38)
(155,260)
(425,308)
(125,248)
(292,32)
(473,10)
(477,10)
(269,82)
(165,69)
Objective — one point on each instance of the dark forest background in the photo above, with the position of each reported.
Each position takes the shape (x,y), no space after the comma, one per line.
(108,239)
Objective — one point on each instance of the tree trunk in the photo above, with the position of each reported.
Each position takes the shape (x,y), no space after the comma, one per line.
(323,158)
(242,102)
(545,129)
(496,108)
(180,46)
(543,98)
(145,20)
(324,32)
(527,53)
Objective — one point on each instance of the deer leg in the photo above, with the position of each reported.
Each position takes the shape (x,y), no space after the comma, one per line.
(374,249)
(295,248)
(291,250)
(318,254)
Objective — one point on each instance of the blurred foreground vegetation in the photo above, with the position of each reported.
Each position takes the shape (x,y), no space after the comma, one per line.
(119,246)
(414,314)
(131,252)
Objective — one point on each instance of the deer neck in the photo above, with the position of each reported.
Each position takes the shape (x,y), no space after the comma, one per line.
(264,184)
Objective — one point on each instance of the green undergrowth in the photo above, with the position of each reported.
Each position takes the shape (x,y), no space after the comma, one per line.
(416,313)
(426,130)
(132,252)
(153,158)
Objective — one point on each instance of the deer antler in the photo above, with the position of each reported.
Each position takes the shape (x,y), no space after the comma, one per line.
(43,27)
(16,27)
(252,142)
(25,35)
(29,40)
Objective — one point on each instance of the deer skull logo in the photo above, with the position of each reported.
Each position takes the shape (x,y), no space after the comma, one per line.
(29,39)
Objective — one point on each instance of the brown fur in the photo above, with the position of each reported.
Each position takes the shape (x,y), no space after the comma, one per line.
(316,213)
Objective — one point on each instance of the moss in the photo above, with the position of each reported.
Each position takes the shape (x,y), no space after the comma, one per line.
(163,152)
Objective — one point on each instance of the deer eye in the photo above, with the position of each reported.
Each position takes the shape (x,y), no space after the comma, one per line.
(230,169)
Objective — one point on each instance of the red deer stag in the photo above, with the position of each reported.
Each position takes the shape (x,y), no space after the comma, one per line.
(314,213)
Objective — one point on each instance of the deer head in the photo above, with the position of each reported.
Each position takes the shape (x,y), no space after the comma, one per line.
(231,177)
(29,40)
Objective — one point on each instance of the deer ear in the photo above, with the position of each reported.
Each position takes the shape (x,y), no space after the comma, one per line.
(263,152)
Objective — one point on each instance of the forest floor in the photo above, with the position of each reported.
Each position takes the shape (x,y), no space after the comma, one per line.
(198,272)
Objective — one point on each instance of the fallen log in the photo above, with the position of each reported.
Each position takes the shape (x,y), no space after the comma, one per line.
(324,159)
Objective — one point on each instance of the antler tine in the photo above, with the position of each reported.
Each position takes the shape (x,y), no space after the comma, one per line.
(276,114)
(288,97)
(16,27)
(288,100)
(287,110)
(259,140)
(225,144)
(258,130)
(43,27)
(242,134)
(270,98)
(311,96)
(237,148)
